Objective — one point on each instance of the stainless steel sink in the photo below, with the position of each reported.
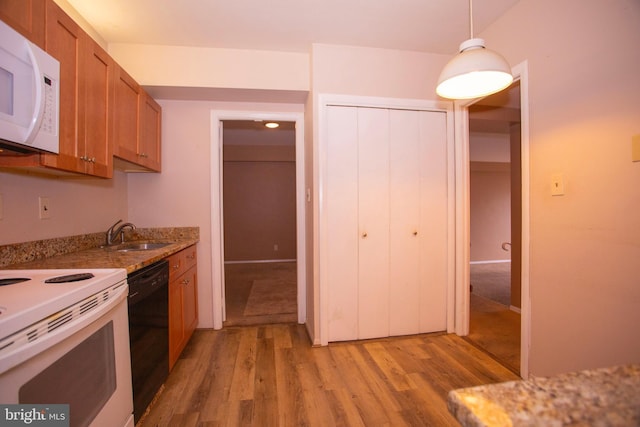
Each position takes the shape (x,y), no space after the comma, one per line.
(130,247)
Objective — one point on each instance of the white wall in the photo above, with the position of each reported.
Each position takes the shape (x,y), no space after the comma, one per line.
(584,108)
(181,194)
(176,66)
(79,205)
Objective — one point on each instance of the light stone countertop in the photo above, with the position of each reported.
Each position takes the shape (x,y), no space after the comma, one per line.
(594,398)
(73,253)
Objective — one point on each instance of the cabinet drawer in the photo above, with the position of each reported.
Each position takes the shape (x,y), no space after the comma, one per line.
(182,261)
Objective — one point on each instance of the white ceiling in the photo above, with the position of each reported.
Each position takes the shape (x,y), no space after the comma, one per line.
(436,26)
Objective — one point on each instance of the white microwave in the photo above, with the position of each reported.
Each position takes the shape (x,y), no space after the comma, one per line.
(29,95)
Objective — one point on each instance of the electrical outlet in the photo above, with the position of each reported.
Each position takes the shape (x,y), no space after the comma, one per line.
(45,208)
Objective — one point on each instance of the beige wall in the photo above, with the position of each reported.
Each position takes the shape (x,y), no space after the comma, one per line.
(490,204)
(259,191)
(585,245)
(78,205)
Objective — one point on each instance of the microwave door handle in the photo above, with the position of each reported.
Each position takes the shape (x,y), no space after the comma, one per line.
(38,108)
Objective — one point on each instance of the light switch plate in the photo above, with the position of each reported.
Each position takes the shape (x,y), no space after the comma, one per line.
(635,148)
(557,185)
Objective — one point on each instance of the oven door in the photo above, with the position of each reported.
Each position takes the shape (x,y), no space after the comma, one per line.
(84,363)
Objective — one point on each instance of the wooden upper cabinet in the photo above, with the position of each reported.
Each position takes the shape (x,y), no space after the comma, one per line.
(26,17)
(126,120)
(63,42)
(96,118)
(149,137)
(137,122)
(103,111)
(86,98)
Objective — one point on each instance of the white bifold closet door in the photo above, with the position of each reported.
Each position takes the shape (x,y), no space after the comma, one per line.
(386,204)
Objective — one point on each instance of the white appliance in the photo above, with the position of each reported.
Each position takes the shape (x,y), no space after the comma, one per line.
(64,339)
(29,95)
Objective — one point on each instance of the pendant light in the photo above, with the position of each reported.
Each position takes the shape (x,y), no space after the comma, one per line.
(474,72)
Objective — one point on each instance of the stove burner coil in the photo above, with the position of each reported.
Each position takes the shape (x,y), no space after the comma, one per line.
(70,278)
(13,280)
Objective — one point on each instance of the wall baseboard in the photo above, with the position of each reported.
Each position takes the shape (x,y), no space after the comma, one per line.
(258,261)
(494,261)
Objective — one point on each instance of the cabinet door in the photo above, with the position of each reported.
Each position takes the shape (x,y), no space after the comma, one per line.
(126,117)
(63,42)
(341,237)
(373,222)
(149,138)
(176,322)
(404,226)
(96,118)
(26,17)
(190,302)
(434,218)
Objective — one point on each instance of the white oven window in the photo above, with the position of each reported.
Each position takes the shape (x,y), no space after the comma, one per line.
(92,383)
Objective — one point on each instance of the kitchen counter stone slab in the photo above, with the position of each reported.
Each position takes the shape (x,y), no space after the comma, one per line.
(60,253)
(595,398)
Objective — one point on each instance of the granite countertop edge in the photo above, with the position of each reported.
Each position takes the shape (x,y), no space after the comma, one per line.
(177,239)
(604,397)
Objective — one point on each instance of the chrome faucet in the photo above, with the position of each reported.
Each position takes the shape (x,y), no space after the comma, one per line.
(114,230)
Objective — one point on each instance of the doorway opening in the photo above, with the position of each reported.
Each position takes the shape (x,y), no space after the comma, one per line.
(296,262)
(495,206)
(259,222)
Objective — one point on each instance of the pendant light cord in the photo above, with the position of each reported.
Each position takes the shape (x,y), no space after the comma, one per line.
(470,19)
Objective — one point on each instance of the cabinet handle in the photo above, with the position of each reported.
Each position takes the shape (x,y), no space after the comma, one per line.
(143,155)
(176,266)
(185,282)
(192,256)
(364,235)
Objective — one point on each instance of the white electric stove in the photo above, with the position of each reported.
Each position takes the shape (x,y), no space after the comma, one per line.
(64,339)
(27,296)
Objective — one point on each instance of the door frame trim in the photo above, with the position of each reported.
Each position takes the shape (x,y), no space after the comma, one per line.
(320,247)
(217,218)
(463,214)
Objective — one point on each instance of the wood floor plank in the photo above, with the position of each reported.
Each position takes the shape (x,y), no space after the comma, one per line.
(344,408)
(371,376)
(290,405)
(401,381)
(392,370)
(365,399)
(244,371)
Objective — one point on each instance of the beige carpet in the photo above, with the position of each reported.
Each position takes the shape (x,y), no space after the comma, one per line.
(492,281)
(271,296)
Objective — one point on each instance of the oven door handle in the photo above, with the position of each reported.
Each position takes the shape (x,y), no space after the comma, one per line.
(23,345)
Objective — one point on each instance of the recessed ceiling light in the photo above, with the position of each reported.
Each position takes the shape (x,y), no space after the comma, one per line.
(271,125)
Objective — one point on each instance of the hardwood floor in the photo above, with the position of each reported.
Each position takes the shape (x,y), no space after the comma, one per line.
(270,375)
(496,329)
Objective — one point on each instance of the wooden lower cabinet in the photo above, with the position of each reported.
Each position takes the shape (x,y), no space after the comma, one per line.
(183,300)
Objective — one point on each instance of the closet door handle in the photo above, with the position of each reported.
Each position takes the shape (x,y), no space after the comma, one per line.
(364,235)
(415,233)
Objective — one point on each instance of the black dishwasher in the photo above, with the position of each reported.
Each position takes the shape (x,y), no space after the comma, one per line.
(148,332)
